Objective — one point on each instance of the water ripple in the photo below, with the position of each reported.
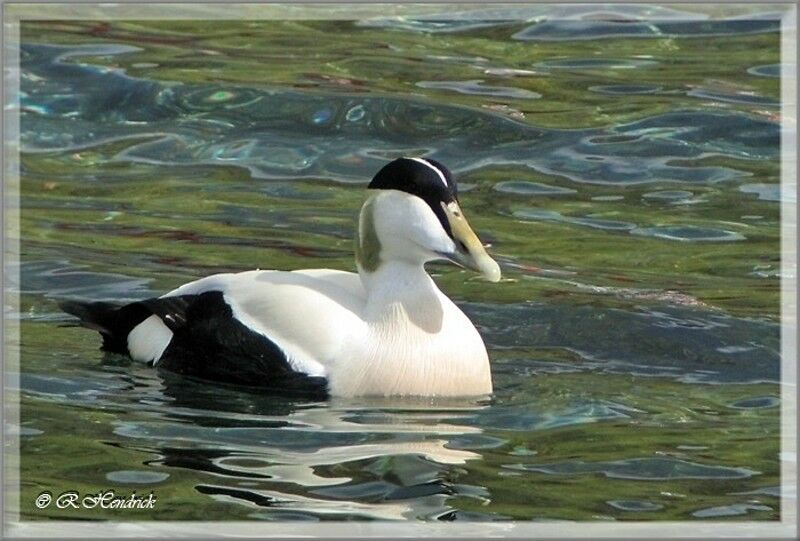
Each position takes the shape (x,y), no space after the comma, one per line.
(677,342)
(769,70)
(643,469)
(560,30)
(634,505)
(688,233)
(730,510)
(748,98)
(531,188)
(572,21)
(623,90)
(595,223)
(767,192)
(476,87)
(595,63)
(285,134)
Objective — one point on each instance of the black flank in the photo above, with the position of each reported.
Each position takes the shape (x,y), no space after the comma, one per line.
(208,343)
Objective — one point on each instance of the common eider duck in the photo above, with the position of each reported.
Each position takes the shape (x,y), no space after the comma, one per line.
(385,331)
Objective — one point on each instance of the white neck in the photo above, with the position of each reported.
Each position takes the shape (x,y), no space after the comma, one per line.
(416,341)
(402,290)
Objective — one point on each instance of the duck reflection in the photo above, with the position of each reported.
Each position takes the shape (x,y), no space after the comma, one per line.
(380,458)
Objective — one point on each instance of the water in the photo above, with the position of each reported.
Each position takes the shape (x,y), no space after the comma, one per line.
(627,181)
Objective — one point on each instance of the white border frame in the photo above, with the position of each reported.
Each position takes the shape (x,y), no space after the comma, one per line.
(14,13)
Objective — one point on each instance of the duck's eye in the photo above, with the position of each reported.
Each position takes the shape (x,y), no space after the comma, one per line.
(454,210)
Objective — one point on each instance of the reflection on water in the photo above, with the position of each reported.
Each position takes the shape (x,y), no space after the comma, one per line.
(388,459)
(593,29)
(739,97)
(531,188)
(634,341)
(405,448)
(625,89)
(477,87)
(571,22)
(689,233)
(771,70)
(290,134)
(643,469)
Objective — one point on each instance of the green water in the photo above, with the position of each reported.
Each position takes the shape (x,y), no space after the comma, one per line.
(628,186)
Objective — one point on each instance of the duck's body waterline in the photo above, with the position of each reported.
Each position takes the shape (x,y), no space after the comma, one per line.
(402,336)
(385,331)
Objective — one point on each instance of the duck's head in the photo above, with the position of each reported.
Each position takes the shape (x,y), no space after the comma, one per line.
(415,217)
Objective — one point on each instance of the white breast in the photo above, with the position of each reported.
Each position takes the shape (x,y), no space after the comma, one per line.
(400,357)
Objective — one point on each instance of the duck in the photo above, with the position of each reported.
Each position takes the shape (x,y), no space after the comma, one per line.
(385,330)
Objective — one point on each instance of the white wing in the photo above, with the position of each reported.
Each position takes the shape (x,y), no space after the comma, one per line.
(309,314)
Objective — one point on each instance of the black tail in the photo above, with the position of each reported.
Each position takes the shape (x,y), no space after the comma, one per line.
(208,342)
(113,321)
